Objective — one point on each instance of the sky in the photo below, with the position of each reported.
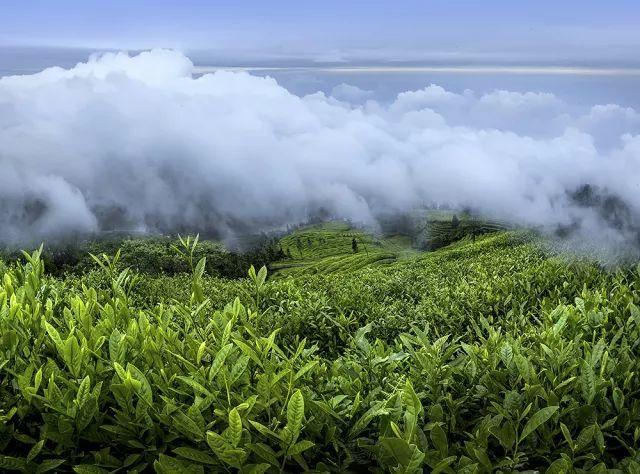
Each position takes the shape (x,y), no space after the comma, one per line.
(338,32)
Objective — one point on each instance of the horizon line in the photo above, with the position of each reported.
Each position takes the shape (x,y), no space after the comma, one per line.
(516,70)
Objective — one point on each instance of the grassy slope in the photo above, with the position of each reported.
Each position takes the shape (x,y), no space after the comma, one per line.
(326,248)
(436,229)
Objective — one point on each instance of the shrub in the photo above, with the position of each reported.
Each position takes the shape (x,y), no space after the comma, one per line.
(488,357)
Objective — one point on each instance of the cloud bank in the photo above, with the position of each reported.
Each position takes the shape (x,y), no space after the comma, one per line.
(138,143)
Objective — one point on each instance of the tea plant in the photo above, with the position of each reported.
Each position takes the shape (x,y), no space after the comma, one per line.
(489,356)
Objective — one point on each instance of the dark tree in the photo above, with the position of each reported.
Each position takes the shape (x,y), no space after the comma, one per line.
(299,245)
(354,245)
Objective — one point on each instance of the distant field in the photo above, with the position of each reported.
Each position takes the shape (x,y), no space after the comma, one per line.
(436,228)
(327,248)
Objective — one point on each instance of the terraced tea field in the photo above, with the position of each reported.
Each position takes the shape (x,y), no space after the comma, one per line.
(328,248)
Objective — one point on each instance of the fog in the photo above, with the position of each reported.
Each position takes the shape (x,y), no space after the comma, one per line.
(139,143)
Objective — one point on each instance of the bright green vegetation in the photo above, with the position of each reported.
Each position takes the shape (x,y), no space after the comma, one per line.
(328,248)
(486,356)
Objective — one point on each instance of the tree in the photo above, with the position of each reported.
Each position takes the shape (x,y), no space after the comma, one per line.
(455,222)
(299,245)
(354,245)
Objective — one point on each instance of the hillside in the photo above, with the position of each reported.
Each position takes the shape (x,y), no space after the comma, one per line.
(328,248)
(489,355)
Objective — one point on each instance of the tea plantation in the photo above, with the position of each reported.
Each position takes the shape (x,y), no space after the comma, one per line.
(489,355)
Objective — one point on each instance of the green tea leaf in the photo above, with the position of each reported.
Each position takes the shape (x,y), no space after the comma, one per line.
(35,450)
(295,414)
(195,455)
(219,360)
(540,417)
(588,383)
(235,427)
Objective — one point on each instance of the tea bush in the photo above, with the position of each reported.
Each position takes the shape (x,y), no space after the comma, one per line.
(490,356)
(154,256)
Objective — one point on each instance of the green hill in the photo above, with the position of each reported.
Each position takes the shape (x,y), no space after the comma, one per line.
(438,228)
(328,248)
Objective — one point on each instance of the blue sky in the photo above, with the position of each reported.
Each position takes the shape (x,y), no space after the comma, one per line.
(541,32)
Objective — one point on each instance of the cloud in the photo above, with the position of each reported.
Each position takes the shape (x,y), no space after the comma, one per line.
(124,142)
(349,93)
(431,97)
(609,123)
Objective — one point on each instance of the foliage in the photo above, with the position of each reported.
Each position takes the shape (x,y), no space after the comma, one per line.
(329,248)
(445,228)
(485,357)
(156,255)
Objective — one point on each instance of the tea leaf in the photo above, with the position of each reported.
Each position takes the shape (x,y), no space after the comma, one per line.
(540,417)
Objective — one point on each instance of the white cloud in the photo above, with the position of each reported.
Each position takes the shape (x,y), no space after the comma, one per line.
(609,123)
(137,142)
(433,97)
(349,93)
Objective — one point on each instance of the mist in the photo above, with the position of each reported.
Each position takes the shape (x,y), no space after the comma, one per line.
(139,143)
